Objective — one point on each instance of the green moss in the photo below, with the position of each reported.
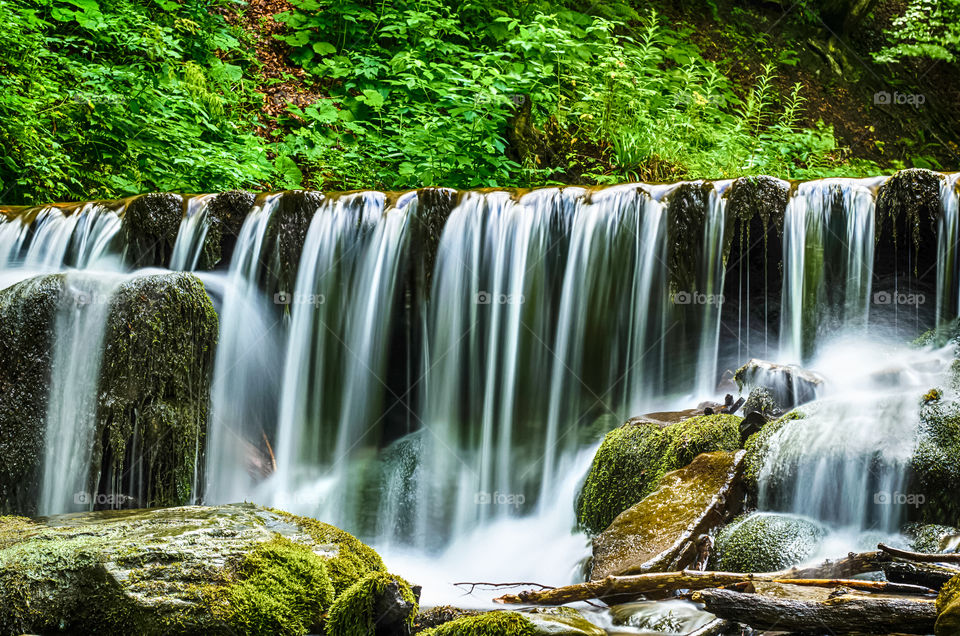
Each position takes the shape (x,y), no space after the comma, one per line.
(354,612)
(353,559)
(948,609)
(634,457)
(154,381)
(765,542)
(757,448)
(761,400)
(925,537)
(489,624)
(936,463)
(281,587)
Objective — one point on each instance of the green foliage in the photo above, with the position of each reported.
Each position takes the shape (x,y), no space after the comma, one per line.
(282,588)
(102,98)
(433,93)
(928,29)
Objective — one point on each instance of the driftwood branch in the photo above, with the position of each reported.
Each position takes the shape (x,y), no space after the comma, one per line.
(880,587)
(929,575)
(842,614)
(923,557)
(639,584)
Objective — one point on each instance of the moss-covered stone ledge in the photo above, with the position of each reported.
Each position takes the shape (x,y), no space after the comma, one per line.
(634,457)
(556,621)
(237,569)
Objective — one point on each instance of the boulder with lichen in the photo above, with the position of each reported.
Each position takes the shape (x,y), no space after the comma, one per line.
(765,542)
(237,569)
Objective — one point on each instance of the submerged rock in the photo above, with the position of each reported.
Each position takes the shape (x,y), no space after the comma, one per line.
(659,533)
(237,569)
(948,609)
(788,385)
(634,457)
(766,542)
(672,616)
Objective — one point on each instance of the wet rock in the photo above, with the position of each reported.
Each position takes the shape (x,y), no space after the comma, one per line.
(226,213)
(948,609)
(658,534)
(930,537)
(159,343)
(288,232)
(27,312)
(761,400)
(150,226)
(632,459)
(788,385)
(155,376)
(436,616)
(758,448)
(935,465)
(669,616)
(557,621)
(912,197)
(766,542)
(237,569)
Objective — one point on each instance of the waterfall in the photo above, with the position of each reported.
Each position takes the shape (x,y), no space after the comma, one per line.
(246,368)
(948,233)
(827,261)
(192,234)
(71,421)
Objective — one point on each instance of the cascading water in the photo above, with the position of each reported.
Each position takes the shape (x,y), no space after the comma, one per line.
(948,235)
(193,232)
(827,261)
(72,410)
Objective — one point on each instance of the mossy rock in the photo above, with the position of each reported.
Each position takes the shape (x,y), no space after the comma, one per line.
(912,197)
(948,609)
(287,232)
(487,624)
(926,537)
(27,316)
(752,196)
(761,400)
(225,215)
(237,569)
(379,603)
(155,376)
(766,542)
(150,226)
(935,464)
(758,448)
(634,457)
(946,333)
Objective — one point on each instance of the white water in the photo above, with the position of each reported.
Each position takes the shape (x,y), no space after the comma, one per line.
(192,234)
(948,265)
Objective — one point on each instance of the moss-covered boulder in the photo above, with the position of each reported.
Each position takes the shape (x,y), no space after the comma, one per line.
(560,621)
(378,604)
(634,457)
(225,213)
(909,199)
(27,313)
(765,542)
(155,376)
(948,609)
(150,226)
(660,532)
(155,370)
(761,400)
(287,233)
(236,569)
(935,464)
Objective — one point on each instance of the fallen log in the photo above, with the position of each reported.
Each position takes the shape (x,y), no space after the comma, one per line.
(840,614)
(878,587)
(923,557)
(652,583)
(716,627)
(926,574)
